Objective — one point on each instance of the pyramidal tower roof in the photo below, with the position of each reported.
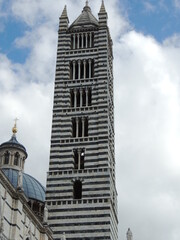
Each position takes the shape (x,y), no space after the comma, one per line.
(64,13)
(85,18)
(102,9)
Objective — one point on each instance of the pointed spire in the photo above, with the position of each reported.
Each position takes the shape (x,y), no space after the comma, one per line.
(102,15)
(64,21)
(87,3)
(129,234)
(64,13)
(102,9)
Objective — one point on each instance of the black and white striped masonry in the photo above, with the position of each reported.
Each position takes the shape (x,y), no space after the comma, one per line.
(81,190)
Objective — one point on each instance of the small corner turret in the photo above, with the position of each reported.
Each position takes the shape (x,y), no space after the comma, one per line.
(64,20)
(103,15)
(129,234)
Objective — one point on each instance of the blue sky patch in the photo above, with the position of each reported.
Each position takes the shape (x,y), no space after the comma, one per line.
(12,30)
(157,18)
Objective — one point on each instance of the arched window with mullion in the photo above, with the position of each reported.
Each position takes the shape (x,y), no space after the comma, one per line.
(6,157)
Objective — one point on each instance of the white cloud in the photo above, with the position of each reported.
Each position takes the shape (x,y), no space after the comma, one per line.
(147,135)
(147,78)
(177,3)
(149,7)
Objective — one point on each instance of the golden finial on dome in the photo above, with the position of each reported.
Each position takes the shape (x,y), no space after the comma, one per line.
(14,129)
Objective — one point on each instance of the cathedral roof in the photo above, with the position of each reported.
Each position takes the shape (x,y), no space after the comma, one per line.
(33,189)
(86,18)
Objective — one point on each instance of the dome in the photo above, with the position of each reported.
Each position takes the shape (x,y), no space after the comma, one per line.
(13,143)
(32,188)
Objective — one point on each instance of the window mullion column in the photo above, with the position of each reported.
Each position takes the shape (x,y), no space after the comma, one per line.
(77,127)
(79,69)
(81,91)
(90,68)
(84,68)
(79,158)
(74,41)
(83,125)
(74,69)
(75,98)
(78,40)
(87,96)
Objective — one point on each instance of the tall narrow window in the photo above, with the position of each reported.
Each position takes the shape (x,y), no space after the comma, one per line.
(71,70)
(78,98)
(77,189)
(82,160)
(75,159)
(87,70)
(6,158)
(72,98)
(76,70)
(89,97)
(72,41)
(92,39)
(79,156)
(73,127)
(92,69)
(86,127)
(80,127)
(83,97)
(16,159)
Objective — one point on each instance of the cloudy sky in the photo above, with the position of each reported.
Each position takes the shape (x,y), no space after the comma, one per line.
(146,36)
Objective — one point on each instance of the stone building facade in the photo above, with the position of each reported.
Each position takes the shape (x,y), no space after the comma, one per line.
(81,189)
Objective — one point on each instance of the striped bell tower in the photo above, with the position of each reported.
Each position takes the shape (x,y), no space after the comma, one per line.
(81,190)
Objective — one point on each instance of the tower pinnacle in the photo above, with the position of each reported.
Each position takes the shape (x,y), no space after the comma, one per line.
(64,13)
(129,234)
(14,129)
(102,9)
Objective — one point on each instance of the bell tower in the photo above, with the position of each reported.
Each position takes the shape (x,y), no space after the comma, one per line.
(81,190)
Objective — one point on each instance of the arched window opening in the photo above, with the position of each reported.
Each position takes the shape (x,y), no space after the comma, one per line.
(72,40)
(79,158)
(82,70)
(76,70)
(80,41)
(16,159)
(72,98)
(76,41)
(88,40)
(92,40)
(83,97)
(78,98)
(80,127)
(87,70)
(86,127)
(89,97)
(75,159)
(84,40)
(82,159)
(6,158)
(73,127)
(92,69)
(77,189)
(71,70)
